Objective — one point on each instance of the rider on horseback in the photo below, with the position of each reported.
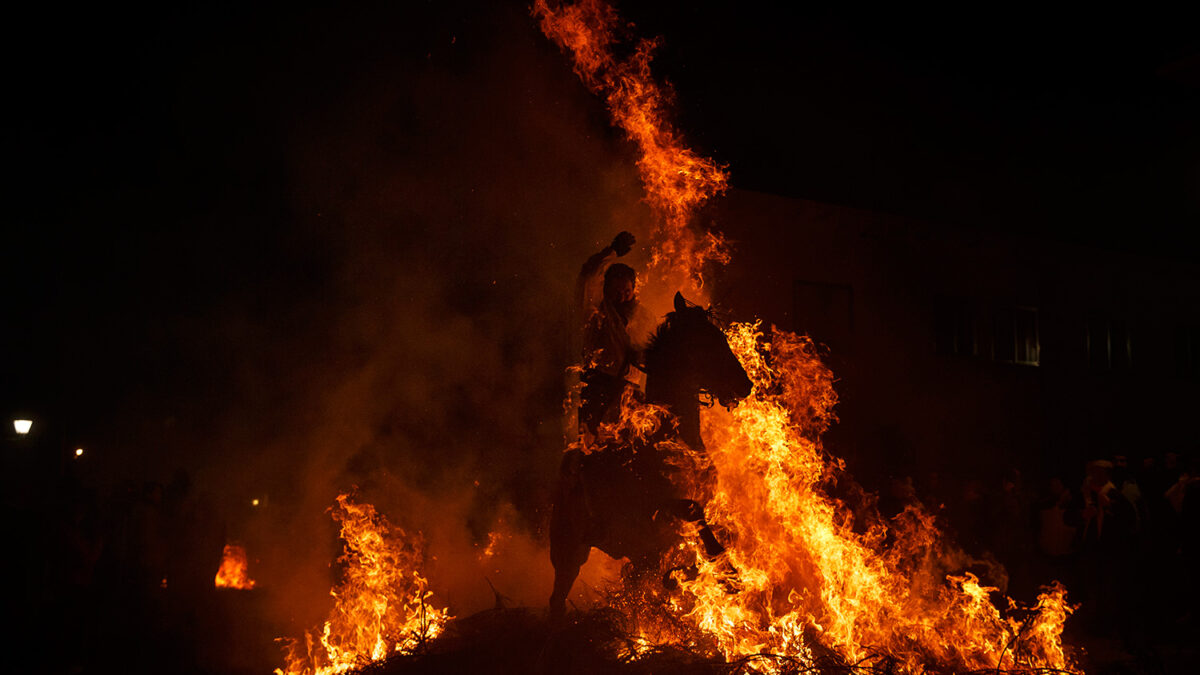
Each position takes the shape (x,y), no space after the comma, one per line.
(608,351)
(613,490)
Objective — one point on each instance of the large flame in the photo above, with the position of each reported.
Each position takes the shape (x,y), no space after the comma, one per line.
(381,606)
(810,575)
(678,181)
(233,572)
(803,576)
(882,590)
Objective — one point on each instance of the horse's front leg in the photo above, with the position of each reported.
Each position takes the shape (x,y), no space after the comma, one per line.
(690,511)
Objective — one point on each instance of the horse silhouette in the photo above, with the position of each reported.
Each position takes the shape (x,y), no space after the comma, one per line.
(624,498)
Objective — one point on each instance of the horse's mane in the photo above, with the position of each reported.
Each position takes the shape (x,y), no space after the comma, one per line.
(669,331)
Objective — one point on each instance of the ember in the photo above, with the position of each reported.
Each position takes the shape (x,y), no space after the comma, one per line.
(233,571)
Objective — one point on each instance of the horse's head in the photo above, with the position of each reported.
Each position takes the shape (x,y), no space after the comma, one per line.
(689,348)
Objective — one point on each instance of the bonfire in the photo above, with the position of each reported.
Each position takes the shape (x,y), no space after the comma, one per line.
(820,586)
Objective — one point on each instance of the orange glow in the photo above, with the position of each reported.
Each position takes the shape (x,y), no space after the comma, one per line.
(811,577)
(806,577)
(381,607)
(677,180)
(233,571)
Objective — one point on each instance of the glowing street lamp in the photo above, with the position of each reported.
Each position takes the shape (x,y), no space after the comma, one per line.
(22,427)
(79,452)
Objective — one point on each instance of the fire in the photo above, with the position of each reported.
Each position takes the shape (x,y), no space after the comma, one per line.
(678,181)
(806,579)
(233,571)
(805,583)
(803,576)
(381,606)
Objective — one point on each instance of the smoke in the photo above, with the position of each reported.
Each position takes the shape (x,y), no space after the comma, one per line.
(439,210)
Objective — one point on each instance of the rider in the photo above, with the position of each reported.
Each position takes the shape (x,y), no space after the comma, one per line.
(608,351)
(609,354)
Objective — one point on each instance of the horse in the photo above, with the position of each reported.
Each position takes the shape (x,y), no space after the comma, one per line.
(611,498)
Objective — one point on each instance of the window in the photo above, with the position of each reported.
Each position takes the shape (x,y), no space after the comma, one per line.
(997,333)
(1015,336)
(1109,344)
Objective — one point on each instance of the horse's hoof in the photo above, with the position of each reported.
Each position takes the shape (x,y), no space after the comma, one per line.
(731,586)
(730,581)
(671,582)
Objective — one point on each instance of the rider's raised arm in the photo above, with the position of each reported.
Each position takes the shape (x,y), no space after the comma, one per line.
(588,287)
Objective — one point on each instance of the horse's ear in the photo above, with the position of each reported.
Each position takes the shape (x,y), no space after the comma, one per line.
(680,303)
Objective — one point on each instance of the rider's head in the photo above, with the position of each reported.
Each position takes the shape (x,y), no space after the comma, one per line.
(620,283)
(620,286)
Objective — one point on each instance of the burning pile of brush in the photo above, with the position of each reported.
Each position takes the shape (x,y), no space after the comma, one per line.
(381,607)
(817,590)
(819,586)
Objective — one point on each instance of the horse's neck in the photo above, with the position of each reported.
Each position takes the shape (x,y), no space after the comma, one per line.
(682,398)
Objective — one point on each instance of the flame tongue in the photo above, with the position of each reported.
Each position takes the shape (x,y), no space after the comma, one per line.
(380,607)
(678,181)
(233,571)
(806,580)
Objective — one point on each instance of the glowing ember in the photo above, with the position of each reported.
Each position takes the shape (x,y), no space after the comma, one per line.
(233,571)
(381,606)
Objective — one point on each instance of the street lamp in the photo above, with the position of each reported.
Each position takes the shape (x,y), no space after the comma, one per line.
(22,427)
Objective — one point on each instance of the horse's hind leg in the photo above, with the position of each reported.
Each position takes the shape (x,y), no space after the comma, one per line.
(564,578)
(568,552)
(566,570)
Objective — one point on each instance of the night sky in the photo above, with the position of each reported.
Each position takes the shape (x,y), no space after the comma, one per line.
(163,230)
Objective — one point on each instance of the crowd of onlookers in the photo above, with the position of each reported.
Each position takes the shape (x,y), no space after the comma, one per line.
(1122,533)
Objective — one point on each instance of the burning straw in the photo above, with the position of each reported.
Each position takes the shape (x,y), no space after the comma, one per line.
(806,585)
(381,606)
